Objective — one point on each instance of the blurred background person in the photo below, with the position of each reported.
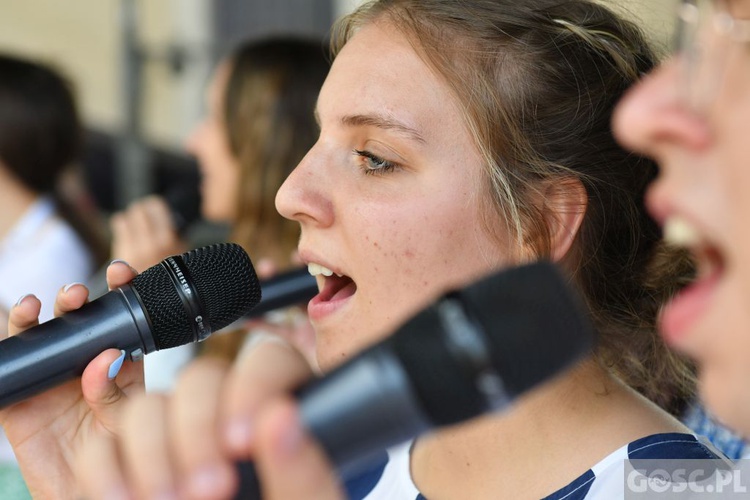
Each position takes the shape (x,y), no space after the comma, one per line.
(691,115)
(259,123)
(45,243)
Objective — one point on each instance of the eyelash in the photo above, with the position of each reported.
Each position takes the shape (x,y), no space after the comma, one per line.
(382,166)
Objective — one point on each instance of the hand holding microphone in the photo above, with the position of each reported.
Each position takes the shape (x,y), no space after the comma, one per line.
(183,299)
(47,429)
(473,351)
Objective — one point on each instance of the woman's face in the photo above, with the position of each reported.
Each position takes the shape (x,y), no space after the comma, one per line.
(388,197)
(702,196)
(209,143)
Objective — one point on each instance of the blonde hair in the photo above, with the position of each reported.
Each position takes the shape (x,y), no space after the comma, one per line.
(269,117)
(269,104)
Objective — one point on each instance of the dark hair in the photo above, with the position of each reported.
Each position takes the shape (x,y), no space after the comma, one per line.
(40,131)
(41,135)
(537,82)
(269,117)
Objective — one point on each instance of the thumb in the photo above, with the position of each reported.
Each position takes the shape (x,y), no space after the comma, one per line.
(106,383)
(290,463)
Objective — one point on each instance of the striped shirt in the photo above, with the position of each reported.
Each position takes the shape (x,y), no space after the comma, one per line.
(391,480)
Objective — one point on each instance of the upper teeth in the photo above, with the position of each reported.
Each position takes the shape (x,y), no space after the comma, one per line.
(680,232)
(316,269)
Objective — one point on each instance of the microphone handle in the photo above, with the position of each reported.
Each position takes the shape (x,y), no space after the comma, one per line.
(373,395)
(67,344)
(284,290)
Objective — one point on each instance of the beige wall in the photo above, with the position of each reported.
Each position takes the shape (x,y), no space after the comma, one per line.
(82,38)
(654,16)
(79,37)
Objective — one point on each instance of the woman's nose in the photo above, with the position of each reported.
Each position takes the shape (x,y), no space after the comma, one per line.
(306,195)
(654,114)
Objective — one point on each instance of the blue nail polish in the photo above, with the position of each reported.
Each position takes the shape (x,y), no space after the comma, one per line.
(114,368)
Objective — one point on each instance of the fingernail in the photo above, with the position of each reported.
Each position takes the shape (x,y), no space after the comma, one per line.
(23,297)
(114,368)
(239,434)
(166,495)
(120,261)
(205,481)
(117,494)
(68,286)
(265,266)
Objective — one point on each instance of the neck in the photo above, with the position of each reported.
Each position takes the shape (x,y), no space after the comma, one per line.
(545,441)
(15,200)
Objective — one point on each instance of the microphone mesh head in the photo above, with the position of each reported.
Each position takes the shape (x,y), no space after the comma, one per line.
(536,323)
(224,279)
(533,326)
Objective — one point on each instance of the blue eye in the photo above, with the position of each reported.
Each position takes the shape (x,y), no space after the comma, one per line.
(372,164)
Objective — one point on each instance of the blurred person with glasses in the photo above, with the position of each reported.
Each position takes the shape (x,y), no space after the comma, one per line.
(692,116)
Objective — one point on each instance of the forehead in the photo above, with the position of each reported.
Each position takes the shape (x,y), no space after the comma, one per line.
(379,71)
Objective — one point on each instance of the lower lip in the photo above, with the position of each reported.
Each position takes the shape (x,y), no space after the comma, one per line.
(686,308)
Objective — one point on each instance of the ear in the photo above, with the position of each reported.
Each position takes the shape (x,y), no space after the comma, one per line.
(565,202)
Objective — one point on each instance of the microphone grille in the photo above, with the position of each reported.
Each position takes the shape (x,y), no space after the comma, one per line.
(536,323)
(226,284)
(533,326)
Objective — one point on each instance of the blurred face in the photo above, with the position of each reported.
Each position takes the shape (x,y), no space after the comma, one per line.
(210,144)
(694,121)
(388,199)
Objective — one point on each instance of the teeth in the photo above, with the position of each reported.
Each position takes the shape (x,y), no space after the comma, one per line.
(681,233)
(316,269)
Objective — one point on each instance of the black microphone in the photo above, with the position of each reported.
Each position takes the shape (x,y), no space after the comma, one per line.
(180,300)
(474,350)
(287,289)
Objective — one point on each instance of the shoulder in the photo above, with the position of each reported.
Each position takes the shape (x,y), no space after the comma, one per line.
(606,479)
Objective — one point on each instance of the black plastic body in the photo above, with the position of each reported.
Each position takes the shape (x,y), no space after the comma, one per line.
(372,394)
(59,350)
(473,351)
(285,290)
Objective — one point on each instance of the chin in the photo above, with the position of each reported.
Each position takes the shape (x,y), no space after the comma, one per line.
(727,396)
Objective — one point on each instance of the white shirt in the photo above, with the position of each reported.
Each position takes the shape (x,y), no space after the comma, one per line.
(40,254)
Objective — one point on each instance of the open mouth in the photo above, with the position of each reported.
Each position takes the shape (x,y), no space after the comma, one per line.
(692,301)
(334,286)
(337,288)
(707,258)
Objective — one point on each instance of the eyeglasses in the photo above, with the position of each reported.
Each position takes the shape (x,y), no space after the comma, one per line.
(704,29)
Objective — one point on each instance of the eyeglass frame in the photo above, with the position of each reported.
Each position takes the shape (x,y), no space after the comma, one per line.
(691,23)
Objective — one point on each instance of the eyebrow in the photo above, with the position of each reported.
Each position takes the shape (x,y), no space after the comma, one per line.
(377,121)
(383,122)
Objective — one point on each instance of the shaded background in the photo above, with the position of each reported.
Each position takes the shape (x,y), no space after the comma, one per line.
(140,68)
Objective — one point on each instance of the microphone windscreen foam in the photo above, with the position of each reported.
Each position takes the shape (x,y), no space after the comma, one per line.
(536,323)
(226,285)
(530,322)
